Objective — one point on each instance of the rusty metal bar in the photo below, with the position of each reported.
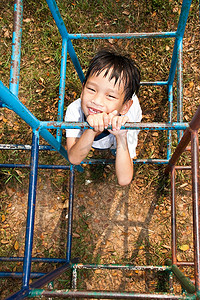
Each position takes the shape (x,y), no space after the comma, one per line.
(193,125)
(105,295)
(16,47)
(121,267)
(93,36)
(196,206)
(128,125)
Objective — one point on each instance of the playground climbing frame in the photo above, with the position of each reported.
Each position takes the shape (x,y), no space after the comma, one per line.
(9,99)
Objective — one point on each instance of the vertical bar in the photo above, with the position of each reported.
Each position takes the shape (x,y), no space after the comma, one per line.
(62,87)
(63,31)
(16,47)
(74,278)
(173,216)
(196,206)
(180,88)
(70,213)
(31,210)
(179,35)
(170,111)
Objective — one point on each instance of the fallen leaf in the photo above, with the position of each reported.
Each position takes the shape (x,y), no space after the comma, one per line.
(4,242)
(76,235)
(184,247)
(126,13)
(3,218)
(16,245)
(191,84)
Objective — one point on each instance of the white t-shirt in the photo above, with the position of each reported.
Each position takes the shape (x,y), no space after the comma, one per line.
(74,113)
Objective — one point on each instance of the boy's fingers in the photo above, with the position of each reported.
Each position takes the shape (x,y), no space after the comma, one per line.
(90,121)
(114,123)
(125,119)
(113,113)
(106,120)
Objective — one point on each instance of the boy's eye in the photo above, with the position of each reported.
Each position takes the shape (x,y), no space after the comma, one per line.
(111,96)
(91,89)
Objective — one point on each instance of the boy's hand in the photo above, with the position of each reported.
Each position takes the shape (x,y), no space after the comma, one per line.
(101,121)
(117,122)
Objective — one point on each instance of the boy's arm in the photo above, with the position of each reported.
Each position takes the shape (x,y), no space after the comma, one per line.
(78,148)
(123,162)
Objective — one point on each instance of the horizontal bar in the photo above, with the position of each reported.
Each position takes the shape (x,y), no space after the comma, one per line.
(23,147)
(88,162)
(185,263)
(34,259)
(104,295)
(20,274)
(128,125)
(183,167)
(135,161)
(157,83)
(93,36)
(120,267)
(57,167)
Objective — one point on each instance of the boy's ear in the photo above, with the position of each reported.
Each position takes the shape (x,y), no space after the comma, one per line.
(82,89)
(126,106)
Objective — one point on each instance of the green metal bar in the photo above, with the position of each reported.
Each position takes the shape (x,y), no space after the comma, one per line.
(184,281)
(105,295)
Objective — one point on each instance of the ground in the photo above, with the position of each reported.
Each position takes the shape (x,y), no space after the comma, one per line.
(112,224)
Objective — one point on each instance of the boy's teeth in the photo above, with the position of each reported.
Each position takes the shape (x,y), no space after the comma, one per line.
(94,111)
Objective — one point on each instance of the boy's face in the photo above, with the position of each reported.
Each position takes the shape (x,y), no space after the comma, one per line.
(101,95)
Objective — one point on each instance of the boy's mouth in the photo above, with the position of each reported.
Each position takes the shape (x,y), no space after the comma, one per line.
(93,111)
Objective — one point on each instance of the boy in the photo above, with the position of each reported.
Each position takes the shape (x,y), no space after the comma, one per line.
(108,97)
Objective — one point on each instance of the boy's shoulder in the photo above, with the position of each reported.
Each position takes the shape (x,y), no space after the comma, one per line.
(135,112)
(75,104)
(74,112)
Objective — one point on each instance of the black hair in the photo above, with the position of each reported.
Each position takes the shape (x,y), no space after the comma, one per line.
(123,69)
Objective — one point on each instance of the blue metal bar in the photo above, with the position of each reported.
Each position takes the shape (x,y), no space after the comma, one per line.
(55,167)
(8,98)
(13,102)
(23,147)
(156,83)
(93,36)
(88,162)
(179,88)
(31,211)
(16,47)
(179,36)
(20,274)
(63,31)
(170,111)
(129,125)
(70,214)
(34,259)
(62,87)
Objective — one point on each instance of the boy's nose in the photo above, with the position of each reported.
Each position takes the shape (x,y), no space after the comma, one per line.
(99,100)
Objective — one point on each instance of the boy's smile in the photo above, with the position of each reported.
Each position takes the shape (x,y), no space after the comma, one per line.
(99,94)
